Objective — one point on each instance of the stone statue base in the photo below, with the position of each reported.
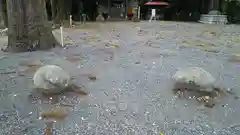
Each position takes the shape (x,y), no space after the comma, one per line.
(213,17)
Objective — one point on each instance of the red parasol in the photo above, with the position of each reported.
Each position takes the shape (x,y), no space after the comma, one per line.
(156,3)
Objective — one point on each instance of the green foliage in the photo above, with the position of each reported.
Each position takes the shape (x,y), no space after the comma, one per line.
(142,1)
(232,9)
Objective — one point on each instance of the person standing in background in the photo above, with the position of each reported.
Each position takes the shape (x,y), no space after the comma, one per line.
(105,14)
(122,12)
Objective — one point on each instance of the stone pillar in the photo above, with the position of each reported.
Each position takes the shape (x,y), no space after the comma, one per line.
(210,5)
(214,5)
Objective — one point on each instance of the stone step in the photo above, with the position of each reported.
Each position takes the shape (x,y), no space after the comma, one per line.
(213,19)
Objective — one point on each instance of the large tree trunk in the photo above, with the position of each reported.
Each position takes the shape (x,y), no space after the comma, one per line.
(53,9)
(68,6)
(2,25)
(60,13)
(27,26)
(3,15)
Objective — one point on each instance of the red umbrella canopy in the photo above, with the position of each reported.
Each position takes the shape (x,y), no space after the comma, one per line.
(156,3)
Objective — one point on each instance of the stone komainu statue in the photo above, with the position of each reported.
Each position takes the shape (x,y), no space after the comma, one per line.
(100,18)
(52,79)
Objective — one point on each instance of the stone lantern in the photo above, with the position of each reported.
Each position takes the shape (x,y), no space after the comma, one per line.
(214,16)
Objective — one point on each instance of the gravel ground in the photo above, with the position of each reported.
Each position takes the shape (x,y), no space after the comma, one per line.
(133,64)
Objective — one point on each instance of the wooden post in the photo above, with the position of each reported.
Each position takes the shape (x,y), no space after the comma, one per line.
(61,31)
(139,12)
(70,21)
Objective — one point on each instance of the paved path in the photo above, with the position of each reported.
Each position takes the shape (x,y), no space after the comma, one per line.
(133,64)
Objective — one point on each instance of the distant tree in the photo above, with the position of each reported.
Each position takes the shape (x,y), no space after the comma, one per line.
(53,9)
(142,1)
(27,26)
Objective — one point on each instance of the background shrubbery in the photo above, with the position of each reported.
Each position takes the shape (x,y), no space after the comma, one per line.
(232,9)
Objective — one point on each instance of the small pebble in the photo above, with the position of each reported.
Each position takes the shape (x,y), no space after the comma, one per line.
(82,118)
(122,106)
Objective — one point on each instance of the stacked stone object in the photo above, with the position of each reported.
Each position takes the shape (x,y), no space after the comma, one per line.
(213,17)
(51,79)
(194,77)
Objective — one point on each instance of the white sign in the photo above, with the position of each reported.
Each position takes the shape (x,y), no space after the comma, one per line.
(153,12)
(139,12)
(61,30)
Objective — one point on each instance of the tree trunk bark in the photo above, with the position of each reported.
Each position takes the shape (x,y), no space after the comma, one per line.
(53,9)
(2,25)
(27,26)
(68,6)
(3,14)
(60,13)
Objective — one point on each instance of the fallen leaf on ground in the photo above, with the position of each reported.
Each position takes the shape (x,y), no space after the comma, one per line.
(32,68)
(209,104)
(170,51)
(158,37)
(68,41)
(163,22)
(161,133)
(92,43)
(55,114)
(210,55)
(184,41)
(92,77)
(206,101)
(73,58)
(167,55)
(8,72)
(116,46)
(210,50)
(80,90)
(191,45)
(112,45)
(236,39)
(49,128)
(199,45)
(235,58)
(213,33)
